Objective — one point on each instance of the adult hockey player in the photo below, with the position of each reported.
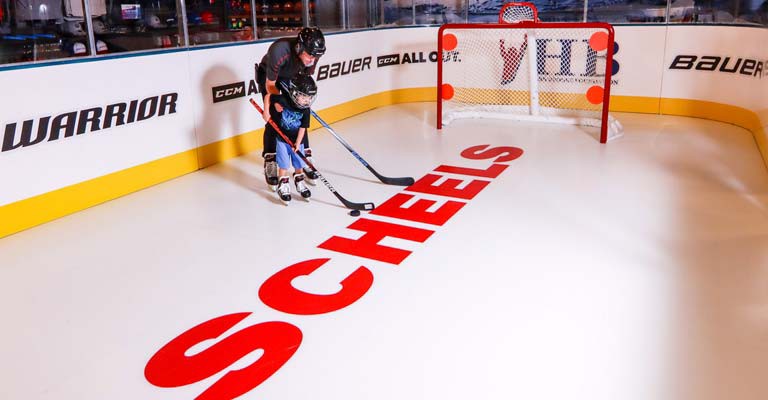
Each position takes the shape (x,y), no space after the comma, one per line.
(285,59)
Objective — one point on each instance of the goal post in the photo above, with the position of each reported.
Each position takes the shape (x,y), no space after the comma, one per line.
(527,70)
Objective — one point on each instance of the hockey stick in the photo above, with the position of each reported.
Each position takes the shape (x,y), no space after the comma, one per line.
(404,181)
(347,203)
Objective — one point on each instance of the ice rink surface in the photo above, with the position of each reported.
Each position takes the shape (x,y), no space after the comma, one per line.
(635,270)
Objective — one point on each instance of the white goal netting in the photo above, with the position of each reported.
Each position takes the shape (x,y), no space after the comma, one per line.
(518,12)
(527,71)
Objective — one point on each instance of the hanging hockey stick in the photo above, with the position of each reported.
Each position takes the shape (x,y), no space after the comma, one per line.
(347,203)
(404,181)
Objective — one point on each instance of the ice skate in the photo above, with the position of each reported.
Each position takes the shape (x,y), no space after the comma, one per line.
(311,175)
(284,189)
(270,170)
(298,179)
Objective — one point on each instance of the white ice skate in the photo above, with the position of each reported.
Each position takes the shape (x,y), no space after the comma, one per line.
(270,171)
(284,189)
(298,179)
(311,175)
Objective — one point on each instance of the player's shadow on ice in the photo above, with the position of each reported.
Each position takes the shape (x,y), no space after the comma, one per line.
(253,180)
(355,177)
(222,123)
(247,175)
(225,131)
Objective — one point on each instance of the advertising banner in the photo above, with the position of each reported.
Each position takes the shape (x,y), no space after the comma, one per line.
(353,68)
(720,75)
(61,125)
(717,66)
(66,124)
(220,80)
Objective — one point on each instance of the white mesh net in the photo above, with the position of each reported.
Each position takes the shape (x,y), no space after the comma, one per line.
(531,73)
(517,12)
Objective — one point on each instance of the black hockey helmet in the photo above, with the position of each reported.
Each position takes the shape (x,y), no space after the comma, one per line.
(312,41)
(302,90)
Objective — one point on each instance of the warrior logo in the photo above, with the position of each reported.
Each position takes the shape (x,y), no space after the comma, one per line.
(512,57)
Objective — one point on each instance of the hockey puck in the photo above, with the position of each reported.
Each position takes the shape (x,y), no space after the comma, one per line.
(355,213)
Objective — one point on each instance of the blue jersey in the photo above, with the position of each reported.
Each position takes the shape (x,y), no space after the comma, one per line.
(290,120)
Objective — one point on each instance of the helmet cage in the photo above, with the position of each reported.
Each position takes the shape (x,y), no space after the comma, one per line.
(302,100)
(302,91)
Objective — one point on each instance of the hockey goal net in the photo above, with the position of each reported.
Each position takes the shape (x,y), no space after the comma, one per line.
(527,70)
(518,12)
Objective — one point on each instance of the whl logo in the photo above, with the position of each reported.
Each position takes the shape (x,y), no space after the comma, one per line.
(555,60)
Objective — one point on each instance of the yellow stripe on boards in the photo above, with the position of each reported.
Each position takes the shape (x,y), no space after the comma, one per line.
(225,149)
(713,111)
(720,112)
(46,207)
(761,135)
(27,213)
(634,104)
(370,102)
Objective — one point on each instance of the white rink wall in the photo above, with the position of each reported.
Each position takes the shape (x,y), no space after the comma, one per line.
(117,124)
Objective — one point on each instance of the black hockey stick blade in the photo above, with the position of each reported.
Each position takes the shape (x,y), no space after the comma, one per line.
(347,203)
(400,181)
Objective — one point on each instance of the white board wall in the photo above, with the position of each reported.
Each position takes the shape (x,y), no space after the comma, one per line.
(205,91)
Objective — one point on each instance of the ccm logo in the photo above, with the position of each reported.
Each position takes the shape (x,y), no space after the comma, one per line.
(228,92)
(384,61)
(743,66)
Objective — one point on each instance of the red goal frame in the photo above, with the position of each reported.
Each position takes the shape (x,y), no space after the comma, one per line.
(533,25)
(518,4)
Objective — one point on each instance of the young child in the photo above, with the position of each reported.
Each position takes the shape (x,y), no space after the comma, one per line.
(290,111)
(286,58)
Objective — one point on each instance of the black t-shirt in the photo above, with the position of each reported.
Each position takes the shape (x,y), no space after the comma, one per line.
(290,120)
(281,61)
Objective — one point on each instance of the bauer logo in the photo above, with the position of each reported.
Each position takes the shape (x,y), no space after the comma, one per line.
(385,61)
(352,66)
(233,91)
(728,65)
